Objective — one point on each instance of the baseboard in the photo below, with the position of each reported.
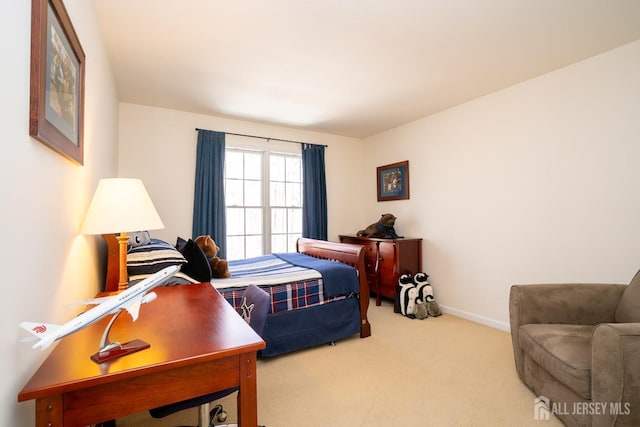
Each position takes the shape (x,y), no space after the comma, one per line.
(475,318)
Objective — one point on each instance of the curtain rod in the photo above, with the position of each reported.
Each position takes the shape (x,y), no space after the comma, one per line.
(267,138)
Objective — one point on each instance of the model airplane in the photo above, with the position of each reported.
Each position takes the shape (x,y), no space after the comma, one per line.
(129,300)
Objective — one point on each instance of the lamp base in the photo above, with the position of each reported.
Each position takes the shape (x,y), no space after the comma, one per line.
(122,350)
(123,283)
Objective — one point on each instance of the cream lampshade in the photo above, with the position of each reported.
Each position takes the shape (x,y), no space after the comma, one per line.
(121,205)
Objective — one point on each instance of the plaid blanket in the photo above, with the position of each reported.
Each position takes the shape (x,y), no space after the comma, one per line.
(292,296)
(290,286)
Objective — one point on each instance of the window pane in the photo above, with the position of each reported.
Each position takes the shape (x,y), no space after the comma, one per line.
(245,198)
(254,246)
(253,166)
(278,220)
(235,247)
(235,221)
(254,221)
(294,194)
(294,220)
(233,192)
(276,168)
(253,193)
(233,164)
(277,194)
(293,169)
(279,243)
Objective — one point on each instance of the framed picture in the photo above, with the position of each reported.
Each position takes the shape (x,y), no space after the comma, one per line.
(393,181)
(56,109)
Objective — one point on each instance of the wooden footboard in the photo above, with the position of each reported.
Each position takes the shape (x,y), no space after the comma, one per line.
(347,253)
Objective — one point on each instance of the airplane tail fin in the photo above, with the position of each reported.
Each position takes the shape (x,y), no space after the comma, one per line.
(44,331)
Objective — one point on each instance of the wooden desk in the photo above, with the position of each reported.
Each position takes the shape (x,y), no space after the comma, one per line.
(199,345)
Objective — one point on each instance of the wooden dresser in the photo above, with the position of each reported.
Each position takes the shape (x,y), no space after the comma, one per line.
(386,260)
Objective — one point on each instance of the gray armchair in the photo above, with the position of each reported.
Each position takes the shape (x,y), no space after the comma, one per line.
(578,345)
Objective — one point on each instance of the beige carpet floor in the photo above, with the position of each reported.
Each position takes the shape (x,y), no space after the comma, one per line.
(442,371)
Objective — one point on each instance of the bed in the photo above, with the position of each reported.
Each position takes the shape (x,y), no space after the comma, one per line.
(326,306)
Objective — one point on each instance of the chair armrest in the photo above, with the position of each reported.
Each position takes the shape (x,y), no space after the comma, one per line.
(615,372)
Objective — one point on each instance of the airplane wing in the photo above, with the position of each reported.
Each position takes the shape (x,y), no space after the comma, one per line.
(133,307)
(92,301)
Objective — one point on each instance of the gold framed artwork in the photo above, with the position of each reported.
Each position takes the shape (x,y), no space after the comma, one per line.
(56,110)
(393,181)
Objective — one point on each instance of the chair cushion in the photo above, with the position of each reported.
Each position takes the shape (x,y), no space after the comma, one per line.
(629,306)
(255,307)
(564,351)
(172,408)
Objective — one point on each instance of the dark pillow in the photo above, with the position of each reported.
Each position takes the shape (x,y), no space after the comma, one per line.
(151,258)
(180,244)
(197,265)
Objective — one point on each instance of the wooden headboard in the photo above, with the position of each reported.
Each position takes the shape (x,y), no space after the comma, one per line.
(113,265)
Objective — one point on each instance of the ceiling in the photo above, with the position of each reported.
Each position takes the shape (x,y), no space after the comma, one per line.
(346,67)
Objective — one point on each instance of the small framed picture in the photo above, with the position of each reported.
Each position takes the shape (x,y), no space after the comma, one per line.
(56,109)
(393,181)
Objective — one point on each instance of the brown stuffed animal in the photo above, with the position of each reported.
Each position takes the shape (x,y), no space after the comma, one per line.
(219,267)
(382,229)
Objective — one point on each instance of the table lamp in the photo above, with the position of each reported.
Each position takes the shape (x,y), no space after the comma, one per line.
(121,205)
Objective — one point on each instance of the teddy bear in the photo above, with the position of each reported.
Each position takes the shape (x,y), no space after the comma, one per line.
(219,267)
(382,229)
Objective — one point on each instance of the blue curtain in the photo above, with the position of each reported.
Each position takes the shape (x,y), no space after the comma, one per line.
(314,192)
(208,201)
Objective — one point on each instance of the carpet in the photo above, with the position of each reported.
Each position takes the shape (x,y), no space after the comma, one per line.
(441,371)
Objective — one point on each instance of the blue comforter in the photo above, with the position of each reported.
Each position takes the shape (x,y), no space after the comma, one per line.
(338,278)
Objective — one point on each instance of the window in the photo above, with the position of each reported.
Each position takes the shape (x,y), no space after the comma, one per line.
(263,195)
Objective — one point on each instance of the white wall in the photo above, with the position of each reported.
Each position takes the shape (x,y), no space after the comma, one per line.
(159,146)
(536,183)
(46,262)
